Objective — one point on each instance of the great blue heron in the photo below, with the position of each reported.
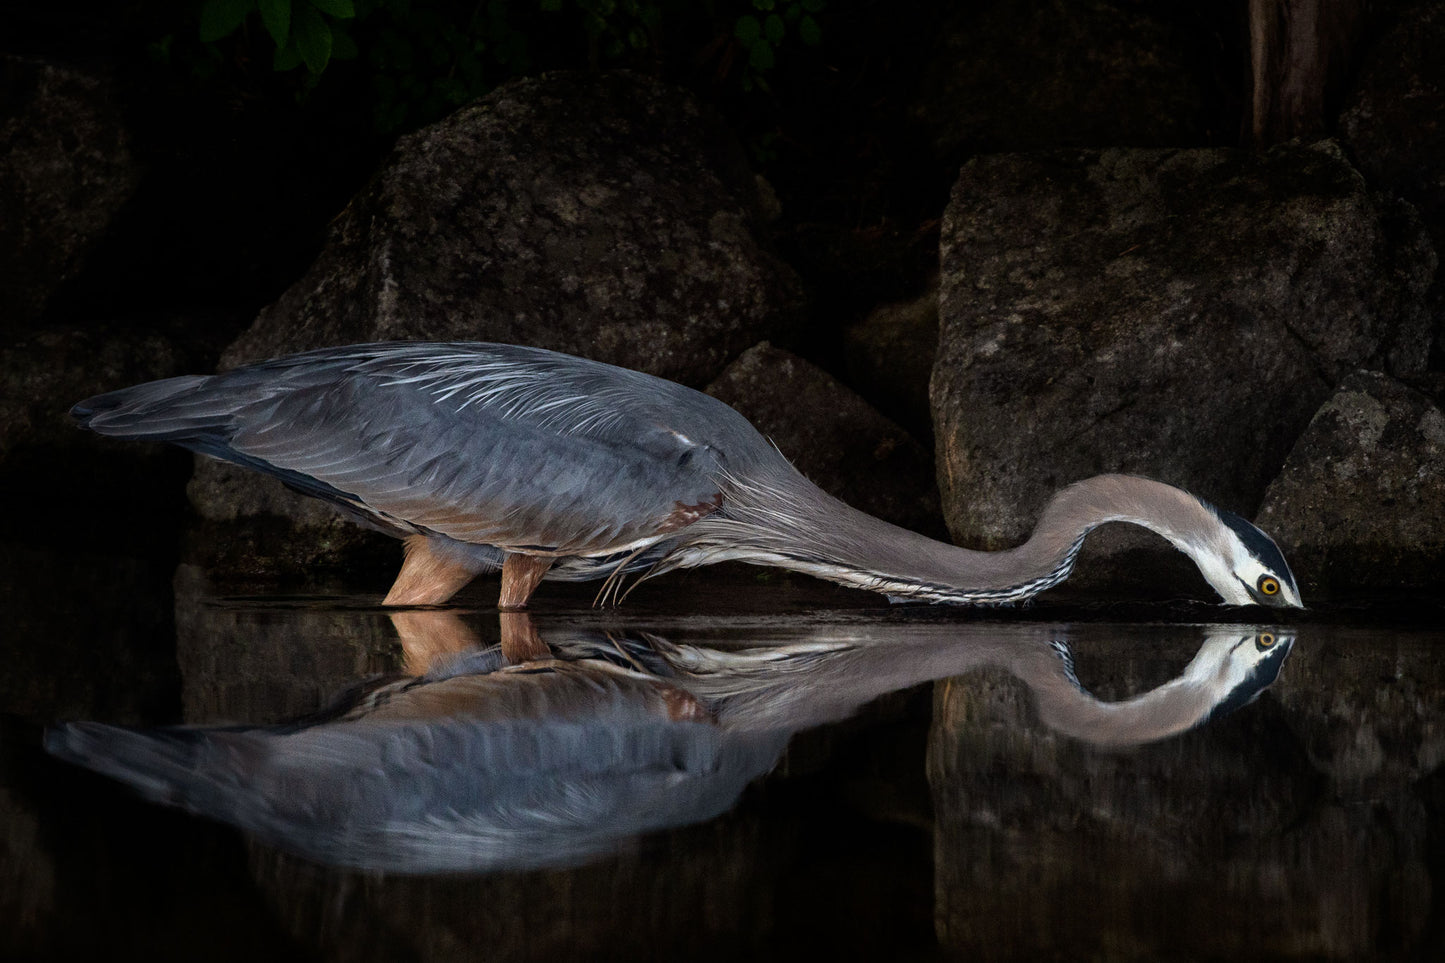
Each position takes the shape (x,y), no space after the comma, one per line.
(485,456)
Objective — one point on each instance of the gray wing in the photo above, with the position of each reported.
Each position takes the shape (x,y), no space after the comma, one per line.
(492,444)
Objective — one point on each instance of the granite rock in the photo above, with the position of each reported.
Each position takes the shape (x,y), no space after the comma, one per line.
(66,170)
(1360,501)
(603,215)
(72,482)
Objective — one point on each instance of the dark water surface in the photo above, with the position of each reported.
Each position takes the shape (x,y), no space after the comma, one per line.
(721,766)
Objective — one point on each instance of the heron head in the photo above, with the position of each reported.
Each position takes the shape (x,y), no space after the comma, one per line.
(1244,565)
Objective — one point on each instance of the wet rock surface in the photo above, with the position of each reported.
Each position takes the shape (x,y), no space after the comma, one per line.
(1360,501)
(66,170)
(833,436)
(1176,314)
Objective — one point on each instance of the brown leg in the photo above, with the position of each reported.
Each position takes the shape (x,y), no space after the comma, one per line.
(520,575)
(521,642)
(426,578)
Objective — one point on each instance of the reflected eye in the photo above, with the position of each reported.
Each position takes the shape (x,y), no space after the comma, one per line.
(1268,585)
(1264,640)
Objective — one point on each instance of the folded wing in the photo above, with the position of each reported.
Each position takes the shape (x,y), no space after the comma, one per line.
(491,444)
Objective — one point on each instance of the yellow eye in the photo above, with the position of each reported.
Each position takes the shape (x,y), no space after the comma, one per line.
(1264,640)
(1268,585)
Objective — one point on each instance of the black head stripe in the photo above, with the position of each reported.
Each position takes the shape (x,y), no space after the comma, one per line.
(1260,678)
(1260,545)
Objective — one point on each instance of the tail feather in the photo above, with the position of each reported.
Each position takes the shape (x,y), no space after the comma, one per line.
(170,410)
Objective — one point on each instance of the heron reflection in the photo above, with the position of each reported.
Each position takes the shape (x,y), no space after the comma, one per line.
(561,744)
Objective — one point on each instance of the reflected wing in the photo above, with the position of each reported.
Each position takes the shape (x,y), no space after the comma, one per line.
(492,444)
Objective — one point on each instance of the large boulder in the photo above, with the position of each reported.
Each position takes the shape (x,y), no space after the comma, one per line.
(602,215)
(1175,314)
(1360,502)
(73,483)
(66,169)
(833,436)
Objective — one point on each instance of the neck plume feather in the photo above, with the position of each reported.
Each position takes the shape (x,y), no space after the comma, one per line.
(795,525)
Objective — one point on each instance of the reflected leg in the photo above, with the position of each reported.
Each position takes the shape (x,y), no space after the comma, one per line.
(429,637)
(520,640)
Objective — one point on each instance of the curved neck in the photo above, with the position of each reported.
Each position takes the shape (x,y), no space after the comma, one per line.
(818,534)
(798,685)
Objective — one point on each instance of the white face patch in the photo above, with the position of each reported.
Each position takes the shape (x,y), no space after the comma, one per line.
(1219,571)
(1232,570)
(1248,572)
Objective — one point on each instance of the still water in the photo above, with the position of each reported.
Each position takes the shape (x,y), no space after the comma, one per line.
(768,768)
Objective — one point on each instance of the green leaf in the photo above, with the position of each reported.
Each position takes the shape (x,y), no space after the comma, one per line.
(773,29)
(748,30)
(764,4)
(343,47)
(287,57)
(813,6)
(551,6)
(276,15)
(761,57)
(810,32)
(340,9)
(160,50)
(221,17)
(313,38)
